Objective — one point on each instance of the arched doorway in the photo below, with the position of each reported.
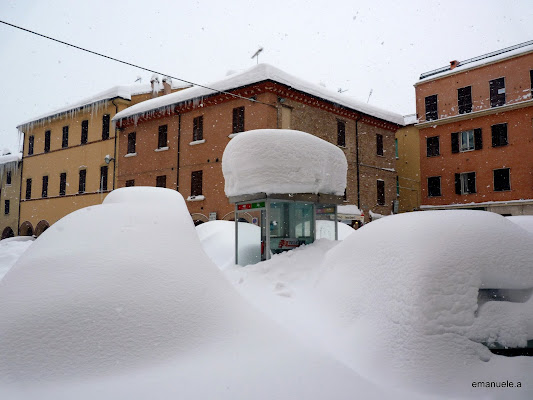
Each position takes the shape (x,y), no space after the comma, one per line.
(198,218)
(41,227)
(7,233)
(26,229)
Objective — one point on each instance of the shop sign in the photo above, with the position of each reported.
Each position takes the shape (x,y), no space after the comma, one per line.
(326,210)
(287,244)
(250,206)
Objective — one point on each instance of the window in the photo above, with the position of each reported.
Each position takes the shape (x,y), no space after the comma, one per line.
(465,183)
(31,142)
(397,186)
(161,181)
(84,131)
(62,183)
(497,92)
(379,144)
(341,133)
(28,189)
(499,135)
(434,186)
(467,140)
(103,178)
(47,141)
(196,183)
(381,192)
(64,142)
(433,146)
(44,192)
(106,119)
(162,137)
(238,119)
(198,128)
(502,180)
(431,108)
(464,99)
(8,178)
(6,207)
(131,143)
(83,178)
(396,150)
(130,182)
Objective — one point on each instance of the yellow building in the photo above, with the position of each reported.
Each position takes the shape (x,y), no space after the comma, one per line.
(408,165)
(65,151)
(10,169)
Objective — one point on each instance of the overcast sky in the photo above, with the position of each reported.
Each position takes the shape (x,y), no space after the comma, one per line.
(357,46)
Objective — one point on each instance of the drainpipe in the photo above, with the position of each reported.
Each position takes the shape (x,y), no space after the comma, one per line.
(178,166)
(357,163)
(20,187)
(115,149)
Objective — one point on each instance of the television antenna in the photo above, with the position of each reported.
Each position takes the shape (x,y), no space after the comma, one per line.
(256,54)
(369,94)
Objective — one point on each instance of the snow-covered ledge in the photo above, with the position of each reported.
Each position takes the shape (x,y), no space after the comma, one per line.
(232,135)
(162,149)
(197,142)
(196,198)
(130,155)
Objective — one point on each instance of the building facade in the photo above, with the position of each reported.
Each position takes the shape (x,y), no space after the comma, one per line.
(476,133)
(64,153)
(408,166)
(10,175)
(179,144)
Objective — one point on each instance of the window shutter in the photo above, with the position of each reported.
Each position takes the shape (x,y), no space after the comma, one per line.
(478,139)
(455,142)
(457,183)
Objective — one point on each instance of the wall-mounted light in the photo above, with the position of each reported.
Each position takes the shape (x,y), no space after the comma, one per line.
(108,159)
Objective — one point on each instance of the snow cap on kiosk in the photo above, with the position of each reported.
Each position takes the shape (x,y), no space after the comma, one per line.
(282,161)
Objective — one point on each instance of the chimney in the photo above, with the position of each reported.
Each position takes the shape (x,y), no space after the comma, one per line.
(167,85)
(154,81)
(454,64)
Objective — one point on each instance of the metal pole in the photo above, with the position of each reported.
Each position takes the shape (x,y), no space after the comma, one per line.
(236,236)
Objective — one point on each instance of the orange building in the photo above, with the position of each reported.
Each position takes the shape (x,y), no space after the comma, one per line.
(476,133)
(178,141)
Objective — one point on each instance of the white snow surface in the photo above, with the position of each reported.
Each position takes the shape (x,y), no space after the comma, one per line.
(8,158)
(120,301)
(524,221)
(349,209)
(10,251)
(282,161)
(255,74)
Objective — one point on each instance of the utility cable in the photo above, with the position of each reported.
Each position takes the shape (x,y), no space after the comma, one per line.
(133,65)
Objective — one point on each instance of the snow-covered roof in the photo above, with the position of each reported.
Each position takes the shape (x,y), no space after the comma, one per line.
(10,158)
(256,74)
(479,61)
(121,91)
(410,119)
(350,209)
(282,161)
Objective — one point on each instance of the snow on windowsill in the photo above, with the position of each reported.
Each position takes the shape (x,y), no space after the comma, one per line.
(195,142)
(130,155)
(162,149)
(196,198)
(232,135)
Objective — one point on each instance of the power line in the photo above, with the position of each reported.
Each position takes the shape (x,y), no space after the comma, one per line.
(131,64)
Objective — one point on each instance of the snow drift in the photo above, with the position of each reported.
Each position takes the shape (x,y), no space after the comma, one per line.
(407,307)
(270,161)
(120,301)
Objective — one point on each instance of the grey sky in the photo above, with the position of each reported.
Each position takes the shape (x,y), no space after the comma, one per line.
(353,45)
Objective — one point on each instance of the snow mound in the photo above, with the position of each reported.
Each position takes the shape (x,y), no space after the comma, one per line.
(524,221)
(119,301)
(218,241)
(402,294)
(282,161)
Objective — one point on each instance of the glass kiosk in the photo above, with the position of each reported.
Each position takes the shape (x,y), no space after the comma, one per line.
(285,222)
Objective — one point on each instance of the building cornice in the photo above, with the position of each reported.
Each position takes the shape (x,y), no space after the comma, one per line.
(482,204)
(475,114)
